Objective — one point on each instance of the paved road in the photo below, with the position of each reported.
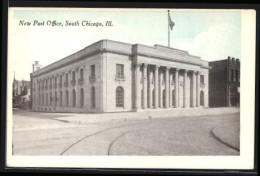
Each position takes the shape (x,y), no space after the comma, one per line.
(45,134)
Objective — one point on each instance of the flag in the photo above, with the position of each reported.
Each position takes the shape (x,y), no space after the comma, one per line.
(170,22)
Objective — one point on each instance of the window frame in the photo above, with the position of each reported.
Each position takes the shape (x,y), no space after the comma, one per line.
(120,96)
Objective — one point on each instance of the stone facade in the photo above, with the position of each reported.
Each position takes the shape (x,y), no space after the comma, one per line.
(110,76)
(224,83)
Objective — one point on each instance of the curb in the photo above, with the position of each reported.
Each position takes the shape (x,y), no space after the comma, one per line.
(223,142)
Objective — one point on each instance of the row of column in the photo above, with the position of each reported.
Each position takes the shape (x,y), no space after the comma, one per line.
(158,99)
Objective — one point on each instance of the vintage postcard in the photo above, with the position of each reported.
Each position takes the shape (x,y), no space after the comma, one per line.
(131,88)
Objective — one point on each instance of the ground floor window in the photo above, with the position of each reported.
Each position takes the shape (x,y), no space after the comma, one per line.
(67,98)
(56,99)
(164,98)
(142,98)
(60,98)
(81,97)
(73,98)
(201,98)
(43,99)
(173,98)
(46,99)
(93,97)
(51,99)
(119,96)
(153,98)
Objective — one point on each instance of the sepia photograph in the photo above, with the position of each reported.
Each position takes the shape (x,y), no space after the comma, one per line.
(135,88)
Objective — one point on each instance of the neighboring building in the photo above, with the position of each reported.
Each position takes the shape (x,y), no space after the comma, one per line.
(224,83)
(110,76)
(21,92)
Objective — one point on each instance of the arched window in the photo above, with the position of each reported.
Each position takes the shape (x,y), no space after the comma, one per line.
(119,96)
(73,98)
(173,98)
(81,97)
(60,98)
(201,98)
(93,97)
(164,98)
(67,98)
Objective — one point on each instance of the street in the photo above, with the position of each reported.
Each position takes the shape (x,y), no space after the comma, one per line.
(59,134)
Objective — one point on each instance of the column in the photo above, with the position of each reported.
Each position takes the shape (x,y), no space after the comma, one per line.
(145,86)
(185,87)
(198,89)
(193,89)
(150,88)
(156,86)
(137,87)
(160,91)
(177,87)
(170,91)
(167,88)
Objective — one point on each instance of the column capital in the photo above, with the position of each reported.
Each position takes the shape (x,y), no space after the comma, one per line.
(198,72)
(177,69)
(157,66)
(168,68)
(145,64)
(138,64)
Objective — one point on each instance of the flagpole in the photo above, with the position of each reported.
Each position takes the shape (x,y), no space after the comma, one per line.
(168,29)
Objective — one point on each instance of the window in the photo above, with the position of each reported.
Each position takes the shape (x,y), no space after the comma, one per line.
(67,98)
(43,99)
(55,80)
(50,99)
(120,70)
(92,70)
(232,75)
(119,96)
(202,79)
(173,98)
(81,97)
(93,97)
(81,74)
(201,98)
(73,98)
(46,99)
(67,77)
(60,98)
(153,98)
(164,98)
(47,81)
(73,76)
(50,83)
(236,75)
(142,99)
(60,80)
(56,99)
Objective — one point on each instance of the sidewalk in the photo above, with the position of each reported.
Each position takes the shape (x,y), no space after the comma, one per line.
(145,114)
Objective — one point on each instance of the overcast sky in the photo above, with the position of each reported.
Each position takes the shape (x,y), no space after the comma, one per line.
(212,35)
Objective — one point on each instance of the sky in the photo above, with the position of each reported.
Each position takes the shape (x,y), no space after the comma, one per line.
(209,34)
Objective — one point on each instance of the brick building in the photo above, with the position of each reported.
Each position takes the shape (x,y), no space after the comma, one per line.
(224,83)
(110,76)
